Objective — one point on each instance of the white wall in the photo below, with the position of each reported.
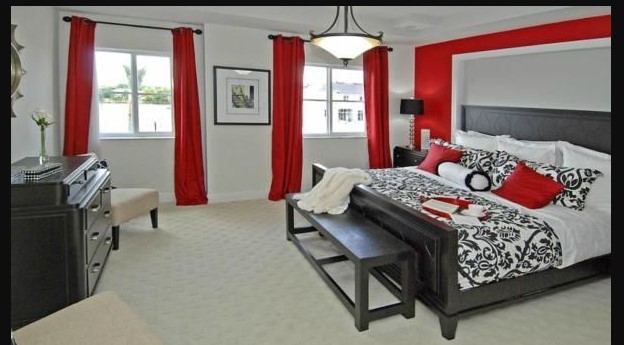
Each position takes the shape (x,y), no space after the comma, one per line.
(353,153)
(36,31)
(239,157)
(331,152)
(141,162)
(576,79)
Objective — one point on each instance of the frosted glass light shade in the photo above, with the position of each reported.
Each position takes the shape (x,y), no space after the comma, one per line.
(345,46)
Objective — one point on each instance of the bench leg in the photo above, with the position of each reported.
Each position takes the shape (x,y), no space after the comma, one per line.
(407,287)
(154,216)
(361,297)
(115,237)
(290,220)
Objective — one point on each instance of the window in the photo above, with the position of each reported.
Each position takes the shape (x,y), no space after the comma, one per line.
(335,91)
(134,91)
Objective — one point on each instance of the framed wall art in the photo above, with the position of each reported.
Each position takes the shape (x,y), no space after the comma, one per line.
(242,96)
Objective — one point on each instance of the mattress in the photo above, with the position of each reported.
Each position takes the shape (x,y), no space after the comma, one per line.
(583,234)
(514,240)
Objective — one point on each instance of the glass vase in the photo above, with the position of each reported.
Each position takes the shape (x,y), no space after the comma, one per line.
(43,154)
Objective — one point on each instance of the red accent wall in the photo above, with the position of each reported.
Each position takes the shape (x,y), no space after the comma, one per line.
(433,63)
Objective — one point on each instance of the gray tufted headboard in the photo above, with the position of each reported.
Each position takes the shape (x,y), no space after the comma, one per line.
(591,129)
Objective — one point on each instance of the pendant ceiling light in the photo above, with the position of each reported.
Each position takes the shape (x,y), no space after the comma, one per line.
(345,45)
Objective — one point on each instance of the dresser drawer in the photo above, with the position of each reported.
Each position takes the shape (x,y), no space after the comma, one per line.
(98,219)
(99,259)
(96,234)
(99,206)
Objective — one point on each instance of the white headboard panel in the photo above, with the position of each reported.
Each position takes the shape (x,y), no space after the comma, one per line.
(558,91)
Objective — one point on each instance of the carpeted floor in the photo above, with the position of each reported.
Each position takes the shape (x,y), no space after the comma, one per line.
(225,274)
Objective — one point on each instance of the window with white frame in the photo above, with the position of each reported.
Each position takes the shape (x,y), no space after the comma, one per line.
(335,91)
(134,94)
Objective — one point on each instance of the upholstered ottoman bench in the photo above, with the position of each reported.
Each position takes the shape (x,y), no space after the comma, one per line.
(101,319)
(128,203)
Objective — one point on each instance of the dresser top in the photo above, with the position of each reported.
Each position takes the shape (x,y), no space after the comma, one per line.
(70,166)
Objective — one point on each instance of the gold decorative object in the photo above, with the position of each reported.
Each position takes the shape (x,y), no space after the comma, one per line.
(16,69)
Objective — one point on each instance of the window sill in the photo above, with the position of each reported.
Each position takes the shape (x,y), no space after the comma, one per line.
(137,138)
(334,136)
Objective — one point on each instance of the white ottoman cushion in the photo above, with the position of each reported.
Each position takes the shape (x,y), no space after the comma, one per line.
(127,203)
(101,319)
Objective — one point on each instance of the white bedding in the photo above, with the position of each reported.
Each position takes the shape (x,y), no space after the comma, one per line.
(583,234)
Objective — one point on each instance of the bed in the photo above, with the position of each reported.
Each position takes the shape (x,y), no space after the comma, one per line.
(436,243)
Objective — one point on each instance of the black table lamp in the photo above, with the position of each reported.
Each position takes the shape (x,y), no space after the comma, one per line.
(412,107)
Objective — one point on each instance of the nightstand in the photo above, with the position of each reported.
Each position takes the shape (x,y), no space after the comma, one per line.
(405,157)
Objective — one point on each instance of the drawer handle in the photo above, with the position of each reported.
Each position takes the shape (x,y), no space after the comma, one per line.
(95,236)
(78,182)
(108,241)
(96,268)
(107,214)
(95,208)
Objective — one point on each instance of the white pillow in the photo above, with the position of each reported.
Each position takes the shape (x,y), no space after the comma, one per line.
(488,135)
(599,196)
(476,141)
(535,151)
(558,154)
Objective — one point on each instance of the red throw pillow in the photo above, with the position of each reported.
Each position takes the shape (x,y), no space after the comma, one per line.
(438,154)
(529,188)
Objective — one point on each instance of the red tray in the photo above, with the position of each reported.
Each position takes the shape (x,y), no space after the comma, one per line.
(463,205)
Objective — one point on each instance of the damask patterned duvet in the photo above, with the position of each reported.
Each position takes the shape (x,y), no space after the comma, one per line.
(507,244)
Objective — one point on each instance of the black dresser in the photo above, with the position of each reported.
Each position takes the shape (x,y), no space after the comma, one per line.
(405,157)
(60,236)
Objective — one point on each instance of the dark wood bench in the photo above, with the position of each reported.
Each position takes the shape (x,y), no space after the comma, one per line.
(368,247)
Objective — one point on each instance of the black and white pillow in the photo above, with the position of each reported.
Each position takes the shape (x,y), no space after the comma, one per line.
(481,160)
(577,181)
(502,166)
(475,159)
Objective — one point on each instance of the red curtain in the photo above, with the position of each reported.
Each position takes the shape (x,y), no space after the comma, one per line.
(376,107)
(287,149)
(190,188)
(78,95)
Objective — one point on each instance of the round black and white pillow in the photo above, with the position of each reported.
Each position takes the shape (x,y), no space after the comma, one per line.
(475,180)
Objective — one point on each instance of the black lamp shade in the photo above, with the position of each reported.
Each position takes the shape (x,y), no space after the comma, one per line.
(412,106)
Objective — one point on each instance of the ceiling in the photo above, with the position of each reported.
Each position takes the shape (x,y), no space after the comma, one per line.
(414,25)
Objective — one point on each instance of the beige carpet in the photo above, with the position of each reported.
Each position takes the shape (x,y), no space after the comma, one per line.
(225,274)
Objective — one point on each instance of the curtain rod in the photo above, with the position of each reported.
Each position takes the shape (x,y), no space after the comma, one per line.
(68,19)
(274,36)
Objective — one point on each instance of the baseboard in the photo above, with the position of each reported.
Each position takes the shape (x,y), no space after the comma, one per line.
(166,197)
(237,196)
(223,197)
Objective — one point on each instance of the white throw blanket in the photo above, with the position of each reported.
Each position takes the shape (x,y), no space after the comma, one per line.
(331,194)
